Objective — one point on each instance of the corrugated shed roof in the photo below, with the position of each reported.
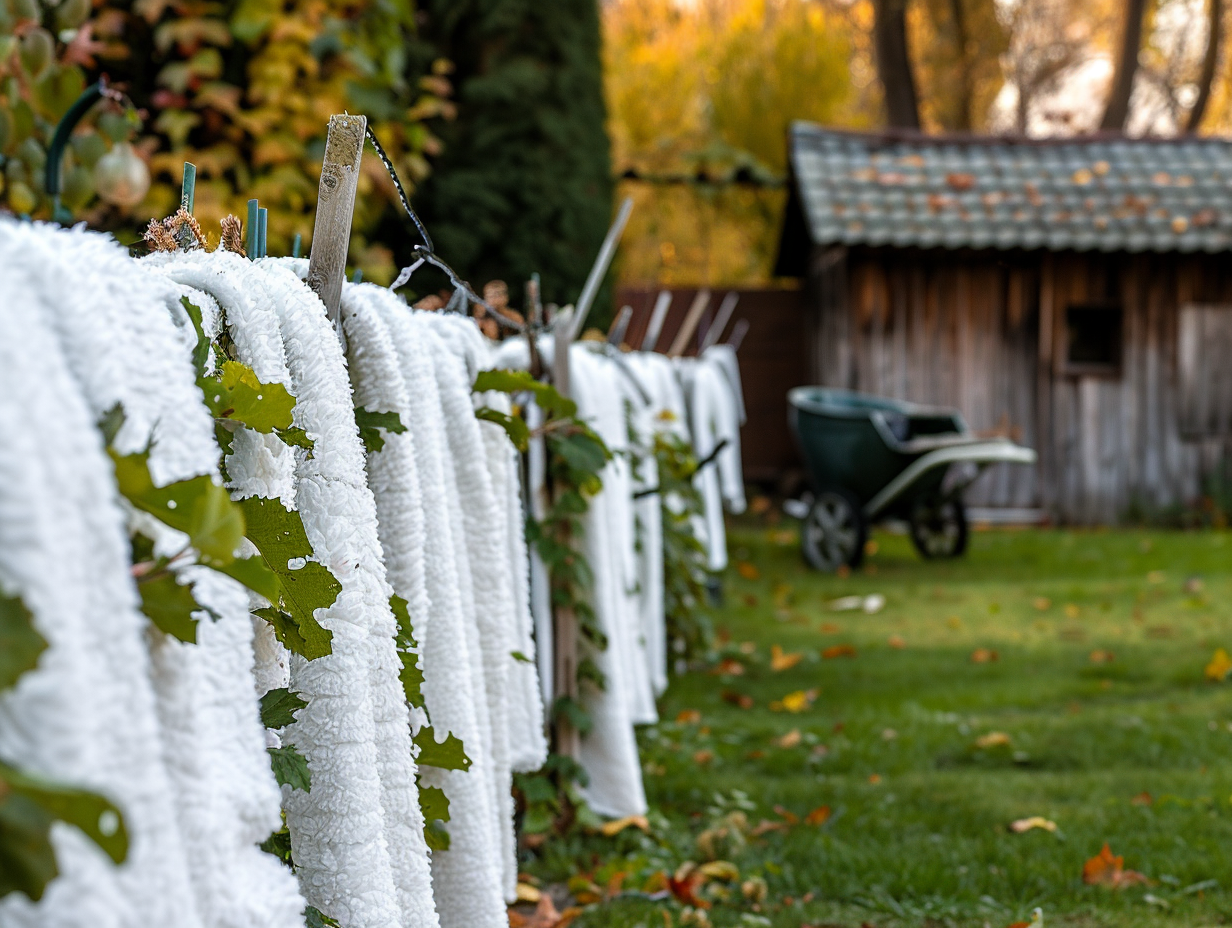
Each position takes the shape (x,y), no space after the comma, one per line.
(1086,194)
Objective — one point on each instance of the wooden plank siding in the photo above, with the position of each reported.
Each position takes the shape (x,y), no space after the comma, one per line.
(989,333)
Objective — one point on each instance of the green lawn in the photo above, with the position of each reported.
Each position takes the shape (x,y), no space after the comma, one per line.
(1097,692)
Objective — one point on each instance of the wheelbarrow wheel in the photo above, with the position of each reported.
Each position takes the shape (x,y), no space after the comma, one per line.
(939,527)
(834,531)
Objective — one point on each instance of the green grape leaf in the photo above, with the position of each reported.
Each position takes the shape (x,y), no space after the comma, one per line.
(20,643)
(514,427)
(199,507)
(201,351)
(278,707)
(279,535)
(411,673)
(370,424)
(434,804)
(237,394)
(254,573)
(170,605)
(447,755)
(436,836)
(290,767)
(110,423)
(296,438)
(314,919)
(548,398)
(28,807)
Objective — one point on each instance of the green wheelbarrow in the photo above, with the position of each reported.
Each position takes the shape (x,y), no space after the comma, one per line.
(872,459)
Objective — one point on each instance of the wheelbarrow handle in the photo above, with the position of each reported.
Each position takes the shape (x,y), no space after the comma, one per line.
(994,451)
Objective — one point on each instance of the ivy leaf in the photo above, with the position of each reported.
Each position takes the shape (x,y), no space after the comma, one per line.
(411,674)
(279,535)
(254,573)
(547,397)
(447,755)
(296,438)
(370,424)
(514,427)
(237,394)
(20,643)
(170,605)
(436,836)
(110,423)
(434,804)
(290,767)
(314,919)
(201,351)
(199,507)
(520,657)
(224,437)
(29,806)
(278,707)
(279,844)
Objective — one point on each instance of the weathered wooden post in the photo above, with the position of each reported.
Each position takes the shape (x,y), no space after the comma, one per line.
(331,232)
(689,326)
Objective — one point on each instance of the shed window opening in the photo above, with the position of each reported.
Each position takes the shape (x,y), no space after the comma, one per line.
(1093,339)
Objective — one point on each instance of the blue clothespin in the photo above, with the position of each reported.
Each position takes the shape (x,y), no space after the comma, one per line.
(358,276)
(188,190)
(252,230)
(296,245)
(262,228)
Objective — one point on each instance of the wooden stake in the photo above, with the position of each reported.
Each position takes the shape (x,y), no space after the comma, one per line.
(331,232)
(689,326)
(726,308)
(662,304)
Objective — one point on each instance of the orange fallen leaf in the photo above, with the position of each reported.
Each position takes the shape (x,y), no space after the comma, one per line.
(992,739)
(839,650)
(787,815)
(874,778)
(829,628)
(704,756)
(685,883)
(1220,666)
(984,656)
(843,572)
(743,700)
(1042,603)
(781,660)
(1035,821)
(544,916)
(818,816)
(729,666)
(765,826)
(1104,869)
(1142,799)
(896,641)
(616,826)
(789,740)
(1020,925)
(797,701)
(747,570)
(755,755)
(1101,656)
(749,600)
(688,717)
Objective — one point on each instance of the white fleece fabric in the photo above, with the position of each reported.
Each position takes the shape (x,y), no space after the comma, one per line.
(86,715)
(710,415)
(467,879)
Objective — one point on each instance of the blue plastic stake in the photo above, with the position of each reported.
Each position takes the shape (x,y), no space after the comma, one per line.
(189,189)
(251,229)
(262,228)
(358,276)
(296,245)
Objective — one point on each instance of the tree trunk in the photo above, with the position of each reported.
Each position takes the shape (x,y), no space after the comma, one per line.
(894,64)
(1209,60)
(1117,112)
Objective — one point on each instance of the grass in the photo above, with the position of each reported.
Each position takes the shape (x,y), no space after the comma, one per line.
(1101,639)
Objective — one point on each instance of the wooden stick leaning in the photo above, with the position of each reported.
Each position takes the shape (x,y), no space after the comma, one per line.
(689,326)
(331,232)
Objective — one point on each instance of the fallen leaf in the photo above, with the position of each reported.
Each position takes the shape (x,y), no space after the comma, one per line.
(749,600)
(685,883)
(527,893)
(748,647)
(755,755)
(729,666)
(781,660)
(1035,821)
(688,717)
(874,778)
(787,815)
(819,751)
(616,826)
(1142,799)
(1102,657)
(870,547)
(829,628)
(789,740)
(896,641)
(992,739)
(544,916)
(723,870)
(765,826)
(782,594)
(984,656)
(818,816)
(1072,611)
(1106,870)
(1220,666)
(747,570)
(742,700)
(843,572)
(839,650)
(888,734)
(759,505)
(796,701)
(704,756)
(1042,603)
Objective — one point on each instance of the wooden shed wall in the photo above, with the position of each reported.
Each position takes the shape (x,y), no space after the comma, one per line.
(986,333)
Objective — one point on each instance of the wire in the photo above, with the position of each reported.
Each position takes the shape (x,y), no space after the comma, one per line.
(426,252)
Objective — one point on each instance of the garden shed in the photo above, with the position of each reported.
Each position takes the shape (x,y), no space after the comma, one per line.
(1074,294)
